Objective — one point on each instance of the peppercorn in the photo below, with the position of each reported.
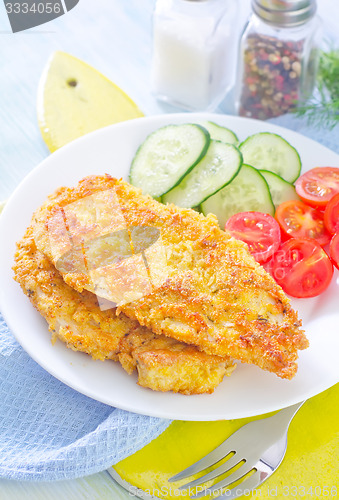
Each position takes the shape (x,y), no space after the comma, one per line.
(271,76)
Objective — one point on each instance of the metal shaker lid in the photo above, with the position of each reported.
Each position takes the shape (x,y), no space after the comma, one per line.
(285,12)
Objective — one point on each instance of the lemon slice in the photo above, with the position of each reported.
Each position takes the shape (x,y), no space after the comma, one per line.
(74,99)
(313,448)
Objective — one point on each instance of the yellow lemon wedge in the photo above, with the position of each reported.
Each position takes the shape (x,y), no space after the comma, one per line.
(74,99)
(308,469)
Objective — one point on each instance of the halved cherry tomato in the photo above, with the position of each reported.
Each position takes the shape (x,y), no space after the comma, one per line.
(260,231)
(298,220)
(334,250)
(317,186)
(302,268)
(331,215)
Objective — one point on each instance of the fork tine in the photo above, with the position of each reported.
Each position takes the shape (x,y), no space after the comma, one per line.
(248,485)
(224,449)
(235,476)
(231,462)
(248,437)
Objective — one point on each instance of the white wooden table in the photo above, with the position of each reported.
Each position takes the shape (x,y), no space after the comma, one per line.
(115,37)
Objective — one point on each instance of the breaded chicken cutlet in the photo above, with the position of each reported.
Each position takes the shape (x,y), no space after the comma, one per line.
(201,287)
(162,364)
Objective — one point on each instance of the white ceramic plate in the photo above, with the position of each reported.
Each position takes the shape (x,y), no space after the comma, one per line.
(249,391)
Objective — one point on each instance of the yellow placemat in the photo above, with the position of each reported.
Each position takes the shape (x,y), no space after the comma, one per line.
(310,468)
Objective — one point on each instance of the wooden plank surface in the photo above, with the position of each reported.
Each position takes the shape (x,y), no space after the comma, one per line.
(96,487)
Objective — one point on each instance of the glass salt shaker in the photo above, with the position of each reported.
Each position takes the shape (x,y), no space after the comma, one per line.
(278,58)
(194,48)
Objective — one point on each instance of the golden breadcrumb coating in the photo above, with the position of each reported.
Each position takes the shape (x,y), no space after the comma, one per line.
(202,286)
(163,364)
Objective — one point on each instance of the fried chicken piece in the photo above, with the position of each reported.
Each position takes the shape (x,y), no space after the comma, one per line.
(75,318)
(164,364)
(199,285)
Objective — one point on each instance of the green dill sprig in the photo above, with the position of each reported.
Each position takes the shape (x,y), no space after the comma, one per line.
(323,109)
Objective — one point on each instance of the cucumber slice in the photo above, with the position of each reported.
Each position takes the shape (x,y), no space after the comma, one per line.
(219,133)
(280,189)
(217,168)
(247,192)
(166,156)
(267,151)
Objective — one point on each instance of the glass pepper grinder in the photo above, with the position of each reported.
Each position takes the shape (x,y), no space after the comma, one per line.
(278,58)
(194,48)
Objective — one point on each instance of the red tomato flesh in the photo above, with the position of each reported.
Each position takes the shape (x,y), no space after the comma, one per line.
(334,250)
(317,186)
(298,220)
(302,268)
(331,215)
(260,231)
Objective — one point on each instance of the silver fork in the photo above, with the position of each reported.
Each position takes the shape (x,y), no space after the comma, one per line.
(257,448)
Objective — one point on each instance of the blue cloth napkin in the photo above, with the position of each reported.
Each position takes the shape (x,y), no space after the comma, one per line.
(49,431)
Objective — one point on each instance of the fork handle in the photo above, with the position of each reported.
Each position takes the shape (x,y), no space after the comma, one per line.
(286,414)
(281,421)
